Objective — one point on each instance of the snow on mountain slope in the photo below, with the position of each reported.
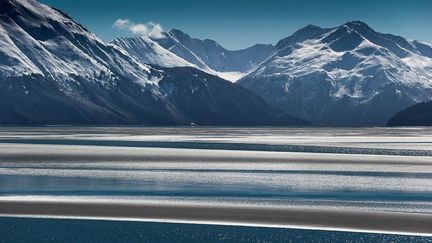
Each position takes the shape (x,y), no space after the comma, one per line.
(349,75)
(35,38)
(230,76)
(54,71)
(211,57)
(147,51)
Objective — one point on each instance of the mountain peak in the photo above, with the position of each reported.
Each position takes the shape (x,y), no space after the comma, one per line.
(174,30)
(358,26)
(178,34)
(311,27)
(308,32)
(356,23)
(351,34)
(148,51)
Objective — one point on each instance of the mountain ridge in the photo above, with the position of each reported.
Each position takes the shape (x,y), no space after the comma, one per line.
(346,76)
(147,51)
(54,71)
(210,56)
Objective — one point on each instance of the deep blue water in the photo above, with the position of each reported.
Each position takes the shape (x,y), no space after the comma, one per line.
(68,230)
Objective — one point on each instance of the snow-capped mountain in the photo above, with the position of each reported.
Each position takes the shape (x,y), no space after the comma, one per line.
(147,51)
(349,75)
(54,71)
(211,57)
(36,39)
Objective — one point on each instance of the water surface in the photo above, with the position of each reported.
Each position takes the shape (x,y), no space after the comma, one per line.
(370,169)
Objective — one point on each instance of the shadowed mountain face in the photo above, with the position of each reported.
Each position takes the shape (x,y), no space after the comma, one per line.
(184,96)
(349,75)
(416,115)
(206,99)
(54,71)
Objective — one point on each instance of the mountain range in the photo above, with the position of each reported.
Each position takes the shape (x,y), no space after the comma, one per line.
(350,75)
(54,71)
(210,56)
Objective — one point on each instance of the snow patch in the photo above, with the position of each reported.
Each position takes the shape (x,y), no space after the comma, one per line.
(230,76)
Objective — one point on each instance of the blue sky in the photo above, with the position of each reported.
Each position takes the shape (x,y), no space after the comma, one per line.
(237,24)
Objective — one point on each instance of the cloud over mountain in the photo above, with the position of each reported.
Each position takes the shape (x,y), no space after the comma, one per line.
(149,29)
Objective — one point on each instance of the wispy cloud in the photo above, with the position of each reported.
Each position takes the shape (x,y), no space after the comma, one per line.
(150,29)
(121,23)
